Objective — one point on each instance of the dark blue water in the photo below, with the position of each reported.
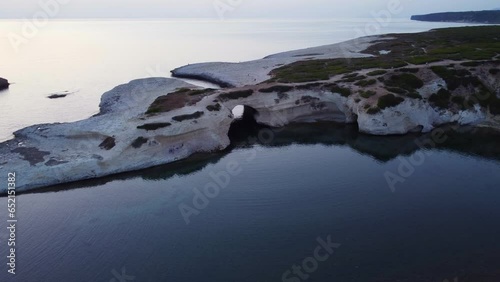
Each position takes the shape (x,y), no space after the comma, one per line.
(310,182)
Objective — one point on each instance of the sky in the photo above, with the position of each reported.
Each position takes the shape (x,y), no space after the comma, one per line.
(231,9)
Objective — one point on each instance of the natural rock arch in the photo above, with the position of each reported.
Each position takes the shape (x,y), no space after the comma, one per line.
(243,125)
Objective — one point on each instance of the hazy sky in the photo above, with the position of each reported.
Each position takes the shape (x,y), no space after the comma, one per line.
(234,8)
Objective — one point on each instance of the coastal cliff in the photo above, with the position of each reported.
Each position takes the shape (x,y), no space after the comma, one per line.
(485,17)
(385,85)
(4,84)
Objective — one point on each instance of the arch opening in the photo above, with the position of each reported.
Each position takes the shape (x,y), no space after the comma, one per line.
(244,126)
(238,111)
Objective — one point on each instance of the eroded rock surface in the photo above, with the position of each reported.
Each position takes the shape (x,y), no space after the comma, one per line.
(257,71)
(155,121)
(112,141)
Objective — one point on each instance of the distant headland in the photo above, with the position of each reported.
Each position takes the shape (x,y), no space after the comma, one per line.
(485,17)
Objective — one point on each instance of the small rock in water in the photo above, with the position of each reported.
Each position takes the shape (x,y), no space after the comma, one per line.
(61,94)
(57,96)
(4,84)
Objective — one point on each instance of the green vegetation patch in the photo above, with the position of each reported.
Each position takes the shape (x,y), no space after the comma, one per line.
(108,143)
(468,51)
(352,78)
(309,99)
(414,95)
(486,99)
(464,43)
(139,142)
(471,64)
(405,81)
(214,108)
(377,73)
(154,126)
(365,83)
(367,94)
(388,101)
(334,88)
(277,88)
(455,78)
(153,110)
(373,111)
(200,91)
(175,100)
(193,92)
(476,63)
(422,60)
(188,117)
(308,86)
(405,84)
(236,95)
(283,96)
(350,75)
(397,90)
(441,99)
(314,70)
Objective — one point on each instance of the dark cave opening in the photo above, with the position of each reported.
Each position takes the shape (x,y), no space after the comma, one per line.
(245,125)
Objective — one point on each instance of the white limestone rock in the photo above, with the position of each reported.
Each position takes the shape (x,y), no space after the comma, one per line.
(257,71)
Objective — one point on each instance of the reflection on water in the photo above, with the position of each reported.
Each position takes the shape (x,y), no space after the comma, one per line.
(310,181)
(305,182)
(245,133)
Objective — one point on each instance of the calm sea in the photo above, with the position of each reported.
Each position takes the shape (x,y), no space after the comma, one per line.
(264,215)
(272,204)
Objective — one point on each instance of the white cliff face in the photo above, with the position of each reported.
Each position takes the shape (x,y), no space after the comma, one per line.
(414,115)
(122,137)
(111,142)
(44,155)
(277,110)
(431,87)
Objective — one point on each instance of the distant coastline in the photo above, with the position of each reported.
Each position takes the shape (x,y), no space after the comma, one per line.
(484,17)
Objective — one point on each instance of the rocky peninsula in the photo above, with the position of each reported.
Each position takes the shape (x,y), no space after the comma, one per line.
(4,84)
(483,17)
(386,85)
